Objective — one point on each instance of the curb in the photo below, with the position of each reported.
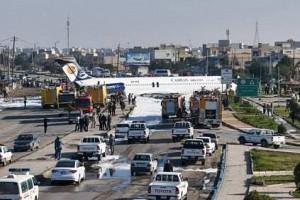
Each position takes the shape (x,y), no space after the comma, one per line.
(233,127)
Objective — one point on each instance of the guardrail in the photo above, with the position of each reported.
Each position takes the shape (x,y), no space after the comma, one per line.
(220,175)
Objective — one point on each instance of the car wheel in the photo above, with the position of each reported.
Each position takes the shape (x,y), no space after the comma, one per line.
(4,162)
(35,198)
(276,146)
(203,162)
(264,143)
(242,140)
(79,180)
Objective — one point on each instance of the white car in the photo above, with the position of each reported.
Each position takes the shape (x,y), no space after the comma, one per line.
(168,185)
(5,155)
(19,184)
(265,137)
(138,132)
(210,146)
(121,130)
(193,150)
(91,146)
(143,162)
(68,170)
(182,129)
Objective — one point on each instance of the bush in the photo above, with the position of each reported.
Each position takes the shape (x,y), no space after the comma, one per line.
(297,176)
(254,195)
(281,129)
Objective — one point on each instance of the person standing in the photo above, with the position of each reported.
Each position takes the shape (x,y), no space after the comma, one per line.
(25,102)
(93,125)
(86,122)
(45,124)
(268,110)
(100,121)
(81,124)
(103,121)
(57,147)
(108,122)
(129,98)
(113,108)
(264,108)
(111,142)
(77,123)
(168,167)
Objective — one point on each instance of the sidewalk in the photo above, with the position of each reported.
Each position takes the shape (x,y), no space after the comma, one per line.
(232,122)
(236,174)
(42,160)
(273,190)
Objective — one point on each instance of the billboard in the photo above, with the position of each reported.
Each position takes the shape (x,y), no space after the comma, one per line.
(138,59)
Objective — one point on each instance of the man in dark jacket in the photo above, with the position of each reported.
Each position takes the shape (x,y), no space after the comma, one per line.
(108,122)
(45,125)
(168,167)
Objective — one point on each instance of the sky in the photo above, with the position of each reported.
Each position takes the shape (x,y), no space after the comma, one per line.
(105,23)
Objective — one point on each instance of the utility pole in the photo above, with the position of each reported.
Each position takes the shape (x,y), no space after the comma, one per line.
(118,58)
(68,34)
(33,51)
(206,68)
(13,56)
(278,80)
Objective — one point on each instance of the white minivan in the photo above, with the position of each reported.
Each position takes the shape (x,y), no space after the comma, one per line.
(15,186)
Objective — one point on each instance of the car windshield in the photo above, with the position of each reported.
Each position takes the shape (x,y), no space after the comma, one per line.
(209,135)
(193,145)
(91,140)
(25,137)
(142,157)
(122,125)
(181,125)
(8,188)
(205,140)
(137,126)
(167,178)
(68,163)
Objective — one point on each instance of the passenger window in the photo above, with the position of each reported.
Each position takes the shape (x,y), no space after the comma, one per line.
(175,178)
(24,187)
(153,84)
(158,177)
(97,140)
(30,184)
(164,177)
(35,182)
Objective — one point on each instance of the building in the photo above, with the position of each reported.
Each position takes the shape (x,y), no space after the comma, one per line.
(239,57)
(165,54)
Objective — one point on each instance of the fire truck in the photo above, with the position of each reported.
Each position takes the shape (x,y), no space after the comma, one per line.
(172,106)
(206,108)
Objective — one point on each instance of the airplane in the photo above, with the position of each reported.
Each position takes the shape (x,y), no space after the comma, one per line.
(141,85)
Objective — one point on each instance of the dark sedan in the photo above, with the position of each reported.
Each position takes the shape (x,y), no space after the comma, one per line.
(26,142)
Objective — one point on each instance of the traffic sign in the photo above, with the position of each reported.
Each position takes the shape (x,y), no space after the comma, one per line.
(247,87)
(226,76)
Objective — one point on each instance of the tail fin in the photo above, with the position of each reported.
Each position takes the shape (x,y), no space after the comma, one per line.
(72,69)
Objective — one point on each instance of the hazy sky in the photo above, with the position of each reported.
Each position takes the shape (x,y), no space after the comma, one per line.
(105,23)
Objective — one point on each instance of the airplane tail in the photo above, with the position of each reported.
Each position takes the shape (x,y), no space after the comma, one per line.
(72,69)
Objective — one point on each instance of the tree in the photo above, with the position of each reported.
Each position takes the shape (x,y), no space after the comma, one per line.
(286,68)
(297,176)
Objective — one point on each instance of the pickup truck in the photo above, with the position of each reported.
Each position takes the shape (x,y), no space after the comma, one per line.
(214,138)
(138,132)
(210,146)
(182,129)
(265,137)
(193,150)
(121,130)
(92,146)
(168,185)
(5,155)
(26,142)
(143,162)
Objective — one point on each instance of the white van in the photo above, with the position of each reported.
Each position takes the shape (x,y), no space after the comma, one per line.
(19,185)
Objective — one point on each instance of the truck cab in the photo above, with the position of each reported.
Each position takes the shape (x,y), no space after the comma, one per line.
(84,103)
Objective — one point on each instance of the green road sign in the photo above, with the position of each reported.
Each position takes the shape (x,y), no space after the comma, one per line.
(247,87)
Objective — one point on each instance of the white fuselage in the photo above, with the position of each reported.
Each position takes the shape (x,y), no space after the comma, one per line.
(140,85)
